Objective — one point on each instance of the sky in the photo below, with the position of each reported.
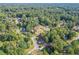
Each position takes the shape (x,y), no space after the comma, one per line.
(39,1)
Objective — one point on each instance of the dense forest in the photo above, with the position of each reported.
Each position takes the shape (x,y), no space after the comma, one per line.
(39,29)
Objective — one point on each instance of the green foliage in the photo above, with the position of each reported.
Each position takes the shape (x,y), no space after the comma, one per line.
(23,44)
(2,26)
(17,23)
(2,53)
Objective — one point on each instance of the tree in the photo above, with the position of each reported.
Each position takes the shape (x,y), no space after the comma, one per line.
(2,27)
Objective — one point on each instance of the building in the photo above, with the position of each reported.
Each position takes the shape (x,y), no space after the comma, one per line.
(76,28)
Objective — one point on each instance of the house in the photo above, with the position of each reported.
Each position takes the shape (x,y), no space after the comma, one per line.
(23,29)
(66,37)
(40,39)
(76,28)
(49,48)
(19,19)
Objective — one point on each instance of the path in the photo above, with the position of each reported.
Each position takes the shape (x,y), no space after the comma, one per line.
(36,46)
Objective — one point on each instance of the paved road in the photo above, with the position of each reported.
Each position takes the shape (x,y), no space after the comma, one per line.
(36,46)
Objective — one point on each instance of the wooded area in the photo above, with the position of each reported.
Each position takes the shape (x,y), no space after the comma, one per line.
(46,30)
